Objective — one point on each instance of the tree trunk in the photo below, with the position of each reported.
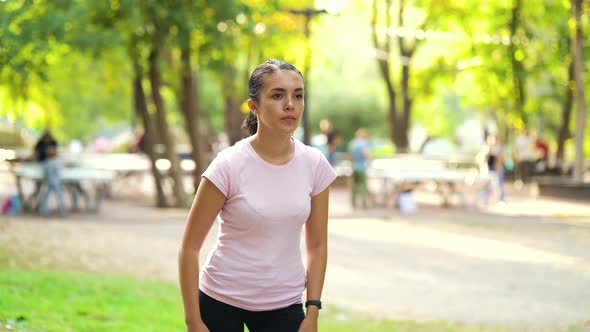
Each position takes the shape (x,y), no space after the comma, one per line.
(406,54)
(206,131)
(149,134)
(518,72)
(578,56)
(233,119)
(149,130)
(404,125)
(384,68)
(188,102)
(566,115)
(399,123)
(170,147)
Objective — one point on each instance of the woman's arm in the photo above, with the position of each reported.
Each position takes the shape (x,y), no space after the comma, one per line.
(316,239)
(208,202)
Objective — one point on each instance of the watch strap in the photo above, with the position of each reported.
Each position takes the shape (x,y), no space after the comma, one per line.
(317,303)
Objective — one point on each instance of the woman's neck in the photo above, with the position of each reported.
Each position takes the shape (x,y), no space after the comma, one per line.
(273,148)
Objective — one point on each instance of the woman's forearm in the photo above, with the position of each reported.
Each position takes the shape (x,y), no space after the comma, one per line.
(188,270)
(316,239)
(317,257)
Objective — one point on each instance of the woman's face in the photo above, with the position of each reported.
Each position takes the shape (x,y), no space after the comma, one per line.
(281,102)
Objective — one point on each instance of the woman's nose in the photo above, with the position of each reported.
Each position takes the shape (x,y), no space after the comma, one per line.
(289,103)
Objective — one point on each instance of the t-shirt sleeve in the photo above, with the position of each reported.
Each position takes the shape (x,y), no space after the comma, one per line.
(324,175)
(218,172)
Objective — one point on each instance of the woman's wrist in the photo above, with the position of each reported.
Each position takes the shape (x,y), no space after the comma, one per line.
(312,312)
(192,321)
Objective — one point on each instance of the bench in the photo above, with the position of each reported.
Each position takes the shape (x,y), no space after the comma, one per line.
(407,172)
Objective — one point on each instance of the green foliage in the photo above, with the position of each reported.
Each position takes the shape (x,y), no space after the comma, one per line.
(46,46)
(66,64)
(347,108)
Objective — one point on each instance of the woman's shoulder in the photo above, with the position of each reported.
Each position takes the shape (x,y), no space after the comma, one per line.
(309,152)
(237,148)
(231,153)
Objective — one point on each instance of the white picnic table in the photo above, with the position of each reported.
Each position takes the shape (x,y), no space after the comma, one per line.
(34,171)
(398,174)
(78,180)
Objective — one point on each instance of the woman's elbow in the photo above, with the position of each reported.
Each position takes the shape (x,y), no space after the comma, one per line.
(317,245)
(188,250)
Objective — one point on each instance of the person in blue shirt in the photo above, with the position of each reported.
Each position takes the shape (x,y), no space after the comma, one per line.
(46,154)
(358,149)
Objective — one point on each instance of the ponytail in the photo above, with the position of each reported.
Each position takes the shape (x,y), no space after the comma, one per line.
(250,123)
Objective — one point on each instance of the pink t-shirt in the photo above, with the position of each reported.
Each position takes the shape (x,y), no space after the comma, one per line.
(257,262)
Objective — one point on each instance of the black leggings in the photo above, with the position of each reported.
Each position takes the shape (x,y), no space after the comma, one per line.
(222,317)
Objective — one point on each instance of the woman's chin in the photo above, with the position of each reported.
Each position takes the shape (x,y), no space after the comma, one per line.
(289,127)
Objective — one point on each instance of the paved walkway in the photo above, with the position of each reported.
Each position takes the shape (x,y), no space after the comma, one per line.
(526,263)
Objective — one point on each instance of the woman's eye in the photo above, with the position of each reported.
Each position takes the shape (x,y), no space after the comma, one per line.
(277,96)
(299,96)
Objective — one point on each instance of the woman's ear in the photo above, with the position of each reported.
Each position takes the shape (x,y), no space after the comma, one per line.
(253,107)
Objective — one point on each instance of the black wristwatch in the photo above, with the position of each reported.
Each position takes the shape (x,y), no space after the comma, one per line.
(317,303)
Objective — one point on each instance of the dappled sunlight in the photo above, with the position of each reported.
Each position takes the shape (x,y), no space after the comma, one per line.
(460,244)
(543,207)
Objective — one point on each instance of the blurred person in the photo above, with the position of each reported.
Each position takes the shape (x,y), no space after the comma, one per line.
(46,154)
(264,189)
(494,159)
(542,147)
(320,140)
(333,143)
(525,156)
(326,126)
(359,152)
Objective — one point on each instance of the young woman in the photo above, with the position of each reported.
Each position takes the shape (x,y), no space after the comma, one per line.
(265,188)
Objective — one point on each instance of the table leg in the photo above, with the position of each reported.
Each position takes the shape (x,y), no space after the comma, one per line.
(101,192)
(21,195)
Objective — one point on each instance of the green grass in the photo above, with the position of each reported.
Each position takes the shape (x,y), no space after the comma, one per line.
(35,299)
(68,301)
(71,301)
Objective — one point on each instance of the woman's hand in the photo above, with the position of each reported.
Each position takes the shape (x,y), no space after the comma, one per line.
(197,327)
(309,324)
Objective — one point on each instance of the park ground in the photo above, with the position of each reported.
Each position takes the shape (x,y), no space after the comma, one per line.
(524,264)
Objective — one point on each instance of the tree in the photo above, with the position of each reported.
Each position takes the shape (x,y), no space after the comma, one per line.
(144,33)
(30,36)
(149,131)
(187,92)
(577,50)
(517,56)
(157,19)
(407,38)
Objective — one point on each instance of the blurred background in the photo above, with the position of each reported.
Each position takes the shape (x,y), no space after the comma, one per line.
(139,96)
(438,69)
